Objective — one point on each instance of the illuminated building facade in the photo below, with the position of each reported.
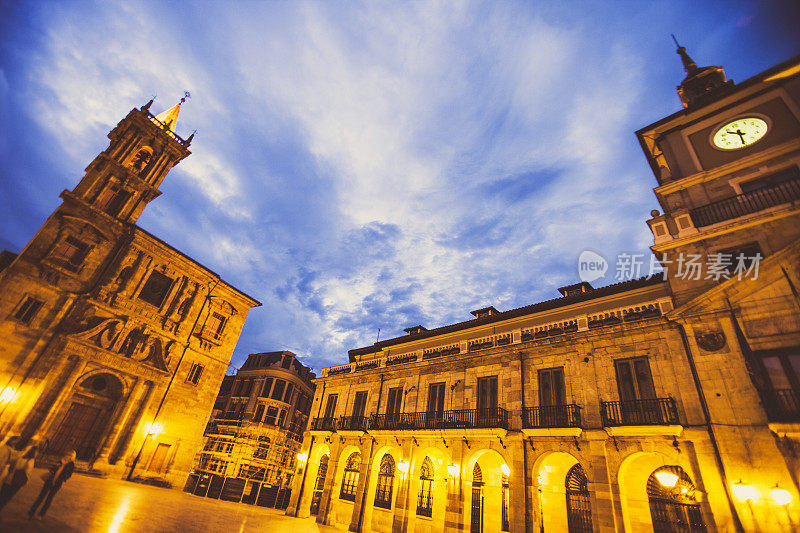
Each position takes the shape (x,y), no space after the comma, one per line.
(113,343)
(669,403)
(251,443)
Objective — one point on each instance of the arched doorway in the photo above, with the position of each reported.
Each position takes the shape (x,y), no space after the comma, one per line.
(673,506)
(319,484)
(476,515)
(87,417)
(579,506)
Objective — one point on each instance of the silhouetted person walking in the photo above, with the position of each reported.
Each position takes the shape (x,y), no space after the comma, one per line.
(17,476)
(59,473)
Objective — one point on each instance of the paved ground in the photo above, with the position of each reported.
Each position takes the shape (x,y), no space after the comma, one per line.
(91,505)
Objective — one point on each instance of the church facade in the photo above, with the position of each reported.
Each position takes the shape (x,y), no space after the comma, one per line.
(665,403)
(112,342)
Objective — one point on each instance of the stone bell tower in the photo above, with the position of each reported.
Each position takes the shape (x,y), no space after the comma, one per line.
(112,342)
(125,177)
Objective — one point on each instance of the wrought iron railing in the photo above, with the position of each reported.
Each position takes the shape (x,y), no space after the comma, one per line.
(781,405)
(323,424)
(650,412)
(495,417)
(352,423)
(552,416)
(744,204)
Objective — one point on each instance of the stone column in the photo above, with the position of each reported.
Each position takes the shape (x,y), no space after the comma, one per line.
(124,440)
(604,491)
(325,507)
(61,394)
(124,413)
(454,512)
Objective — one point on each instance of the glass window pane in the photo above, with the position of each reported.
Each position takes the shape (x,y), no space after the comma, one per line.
(776,373)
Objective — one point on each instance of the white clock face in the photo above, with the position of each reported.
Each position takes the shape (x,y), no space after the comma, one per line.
(740,133)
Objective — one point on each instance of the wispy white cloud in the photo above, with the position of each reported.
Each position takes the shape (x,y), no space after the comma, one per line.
(377,165)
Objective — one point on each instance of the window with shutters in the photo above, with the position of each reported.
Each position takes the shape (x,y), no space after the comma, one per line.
(394,401)
(215,326)
(330,407)
(487,392)
(194,374)
(360,404)
(112,200)
(69,254)
(27,310)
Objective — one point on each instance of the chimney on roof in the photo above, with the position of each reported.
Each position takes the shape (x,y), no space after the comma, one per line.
(486,311)
(578,288)
(415,330)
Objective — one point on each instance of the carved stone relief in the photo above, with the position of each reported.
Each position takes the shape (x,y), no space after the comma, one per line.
(710,342)
(120,335)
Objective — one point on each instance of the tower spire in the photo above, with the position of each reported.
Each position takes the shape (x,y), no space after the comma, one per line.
(170,117)
(688,63)
(701,84)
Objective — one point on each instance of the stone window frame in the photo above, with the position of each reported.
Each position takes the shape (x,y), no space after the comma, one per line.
(166,291)
(23,314)
(194,374)
(74,264)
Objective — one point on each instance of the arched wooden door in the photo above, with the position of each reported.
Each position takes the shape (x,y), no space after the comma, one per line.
(673,506)
(579,505)
(87,417)
(319,484)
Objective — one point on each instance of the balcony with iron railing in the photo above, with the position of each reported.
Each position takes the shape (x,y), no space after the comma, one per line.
(746,203)
(781,405)
(649,412)
(552,416)
(323,424)
(492,418)
(352,423)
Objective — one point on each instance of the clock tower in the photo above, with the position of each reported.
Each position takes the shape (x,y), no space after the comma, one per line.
(728,173)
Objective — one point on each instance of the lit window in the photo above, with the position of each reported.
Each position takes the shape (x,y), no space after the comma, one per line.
(194,374)
(70,254)
(28,309)
(350,478)
(155,288)
(383,490)
(271,416)
(425,498)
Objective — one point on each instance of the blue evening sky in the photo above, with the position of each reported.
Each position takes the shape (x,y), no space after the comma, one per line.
(370,165)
